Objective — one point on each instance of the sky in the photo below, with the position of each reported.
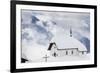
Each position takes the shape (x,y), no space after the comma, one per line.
(40,27)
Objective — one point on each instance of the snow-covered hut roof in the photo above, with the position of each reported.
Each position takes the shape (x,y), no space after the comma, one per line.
(64,42)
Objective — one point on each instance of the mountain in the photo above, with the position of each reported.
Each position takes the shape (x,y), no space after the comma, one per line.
(86,42)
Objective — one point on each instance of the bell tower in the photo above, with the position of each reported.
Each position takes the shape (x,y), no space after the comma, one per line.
(70,32)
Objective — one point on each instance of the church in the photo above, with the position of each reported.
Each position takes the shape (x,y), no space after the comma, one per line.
(66,46)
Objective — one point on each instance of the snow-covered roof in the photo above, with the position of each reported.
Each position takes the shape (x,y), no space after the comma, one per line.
(64,42)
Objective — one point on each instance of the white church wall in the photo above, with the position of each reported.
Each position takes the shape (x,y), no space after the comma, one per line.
(75,52)
(53,51)
(61,52)
(80,54)
(85,53)
(71,52)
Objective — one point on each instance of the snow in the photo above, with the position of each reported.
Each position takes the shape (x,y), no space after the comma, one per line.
(63,58)
(33,51)
(69,42)
(63,40)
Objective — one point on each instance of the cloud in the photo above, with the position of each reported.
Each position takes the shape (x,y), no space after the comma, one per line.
(39,27)
(79,22)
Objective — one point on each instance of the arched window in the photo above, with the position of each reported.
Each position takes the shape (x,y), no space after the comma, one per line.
(66,52)
(82,52)
(72,51)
